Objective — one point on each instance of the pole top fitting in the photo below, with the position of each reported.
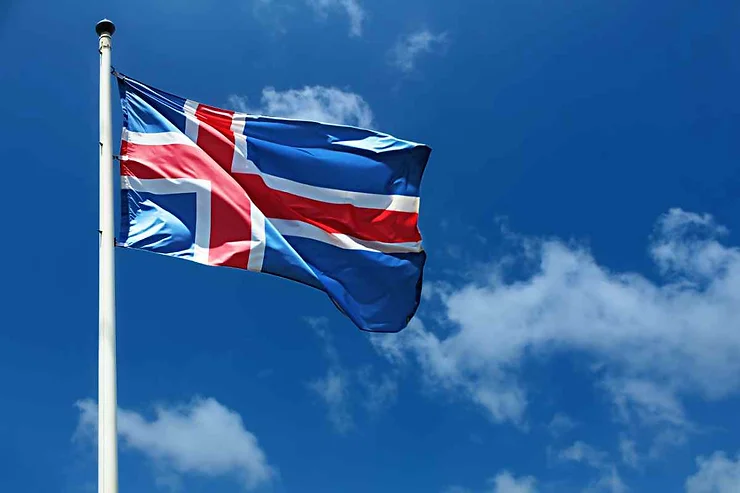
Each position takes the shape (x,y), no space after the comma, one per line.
(105,27)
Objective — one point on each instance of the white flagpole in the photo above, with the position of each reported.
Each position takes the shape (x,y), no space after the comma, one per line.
(107,433)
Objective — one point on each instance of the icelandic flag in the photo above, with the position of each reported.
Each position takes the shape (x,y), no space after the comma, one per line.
(334,207)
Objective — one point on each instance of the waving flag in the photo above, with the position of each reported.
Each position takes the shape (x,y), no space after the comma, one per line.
(330,206)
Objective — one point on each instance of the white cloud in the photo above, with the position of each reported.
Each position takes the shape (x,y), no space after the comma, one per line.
(560,424)
(717,474)
(352,8)
(337,390)
(317,103)
(456,489)
(585,453)
(272,13)
(319,326)
(666,438)
(317,323)
(628,449)
(649,401)
(651,404)
(505,482)
(202,437)
(489,386)
(380,392)
(333,390)
(609,482)
(693,259)
(407,49)
(654,341)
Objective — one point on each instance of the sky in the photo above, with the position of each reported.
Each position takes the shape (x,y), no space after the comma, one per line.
(580,323)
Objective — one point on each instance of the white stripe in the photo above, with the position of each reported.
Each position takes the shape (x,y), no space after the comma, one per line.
(242,164)
(305,230)
(191,122)
(257,250)
(157,139)
(257,219)
(202,190)
(238,122)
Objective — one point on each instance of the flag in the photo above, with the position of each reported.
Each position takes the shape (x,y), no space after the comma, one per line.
(330,206)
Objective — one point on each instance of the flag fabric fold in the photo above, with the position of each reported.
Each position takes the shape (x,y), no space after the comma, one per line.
(330,206)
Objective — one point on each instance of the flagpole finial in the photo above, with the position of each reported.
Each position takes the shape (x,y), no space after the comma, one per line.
(105,26)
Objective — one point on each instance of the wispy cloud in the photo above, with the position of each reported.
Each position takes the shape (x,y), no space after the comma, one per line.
(487,385)
(628,449)
(352,8)
(201,437)
(317,323)
(646,400)
(317,103)
(380,391)
(667,438)
(560,425)
(505,482)
(608,481)
(717,474)
(273,14)
(407,49)
(456,489)
(585,453)
(651,404)
(341,386)
(655,341)
(333,388)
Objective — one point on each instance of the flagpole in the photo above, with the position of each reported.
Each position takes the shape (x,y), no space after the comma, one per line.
(107,434)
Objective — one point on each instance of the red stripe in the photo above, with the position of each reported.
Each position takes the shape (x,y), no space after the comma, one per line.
(181,161)
(359,222)
(230,235)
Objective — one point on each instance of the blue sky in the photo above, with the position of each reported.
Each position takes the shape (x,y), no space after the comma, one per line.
(580,328)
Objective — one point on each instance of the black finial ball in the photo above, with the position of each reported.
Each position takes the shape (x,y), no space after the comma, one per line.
(105,27)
